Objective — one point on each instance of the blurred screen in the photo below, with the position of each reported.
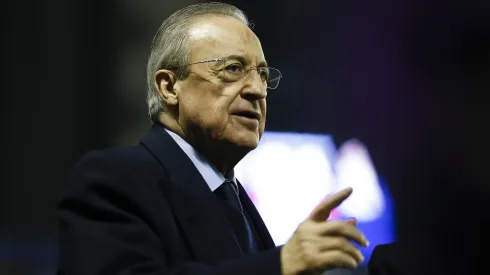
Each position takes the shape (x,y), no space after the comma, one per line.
(289,174)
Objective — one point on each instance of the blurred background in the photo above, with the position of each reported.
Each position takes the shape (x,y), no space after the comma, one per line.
(406,79)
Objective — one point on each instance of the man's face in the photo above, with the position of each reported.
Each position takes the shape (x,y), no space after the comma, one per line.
(211,107)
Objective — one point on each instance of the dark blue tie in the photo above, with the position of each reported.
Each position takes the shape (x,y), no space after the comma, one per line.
(229,193)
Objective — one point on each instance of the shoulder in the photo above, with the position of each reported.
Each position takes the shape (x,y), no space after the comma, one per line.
(117,190)
(129,172)
(119,162)
(117,156)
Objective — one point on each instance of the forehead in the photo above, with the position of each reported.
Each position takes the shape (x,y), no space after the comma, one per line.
(221,36)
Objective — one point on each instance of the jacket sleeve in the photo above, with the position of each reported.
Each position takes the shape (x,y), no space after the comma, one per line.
(103,230)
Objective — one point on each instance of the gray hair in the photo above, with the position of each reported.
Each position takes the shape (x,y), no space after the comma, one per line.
(170,47)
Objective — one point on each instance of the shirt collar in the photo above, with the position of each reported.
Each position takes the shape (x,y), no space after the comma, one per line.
(211,175)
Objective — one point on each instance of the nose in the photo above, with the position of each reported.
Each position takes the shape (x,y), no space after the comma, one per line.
(254,88)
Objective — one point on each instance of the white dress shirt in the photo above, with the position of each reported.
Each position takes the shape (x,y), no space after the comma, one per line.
(211,175)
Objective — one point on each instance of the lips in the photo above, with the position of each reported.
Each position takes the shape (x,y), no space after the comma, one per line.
(247,114)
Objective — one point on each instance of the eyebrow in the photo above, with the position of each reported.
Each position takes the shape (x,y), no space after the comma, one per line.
(244,60)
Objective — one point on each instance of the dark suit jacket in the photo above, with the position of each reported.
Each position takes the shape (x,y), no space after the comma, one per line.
(147,210)
(390,259)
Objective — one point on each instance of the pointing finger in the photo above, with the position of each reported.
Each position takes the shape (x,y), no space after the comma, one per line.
(322,211)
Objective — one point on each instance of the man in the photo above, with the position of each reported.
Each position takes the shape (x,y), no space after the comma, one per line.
(171,204)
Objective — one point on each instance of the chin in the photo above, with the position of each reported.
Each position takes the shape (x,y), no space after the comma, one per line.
(245,139)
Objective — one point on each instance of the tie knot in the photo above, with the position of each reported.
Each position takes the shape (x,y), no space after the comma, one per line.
(228,191)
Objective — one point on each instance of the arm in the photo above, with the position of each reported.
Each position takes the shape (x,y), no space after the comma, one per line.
(104,230)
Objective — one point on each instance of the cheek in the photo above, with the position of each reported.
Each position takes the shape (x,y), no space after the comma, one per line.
(219,114)
(263,110)
(190,107)
(193,113)
(263,107)
(213,114)
(203,105)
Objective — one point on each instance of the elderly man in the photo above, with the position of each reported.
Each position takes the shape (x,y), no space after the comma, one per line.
(171,204)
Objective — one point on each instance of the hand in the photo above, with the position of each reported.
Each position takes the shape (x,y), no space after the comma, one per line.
(318,244)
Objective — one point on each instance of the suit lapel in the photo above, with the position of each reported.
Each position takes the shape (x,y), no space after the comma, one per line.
(196,209)
(258,223)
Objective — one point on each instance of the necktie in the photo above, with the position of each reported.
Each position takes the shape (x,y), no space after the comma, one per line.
(229,193)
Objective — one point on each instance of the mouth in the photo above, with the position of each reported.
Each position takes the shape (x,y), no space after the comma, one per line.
(248,114)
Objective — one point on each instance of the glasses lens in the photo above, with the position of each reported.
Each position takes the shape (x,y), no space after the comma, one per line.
(273,79)
(232,70)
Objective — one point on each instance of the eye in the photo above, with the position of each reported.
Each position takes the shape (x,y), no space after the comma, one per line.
(234,68)
(264,73)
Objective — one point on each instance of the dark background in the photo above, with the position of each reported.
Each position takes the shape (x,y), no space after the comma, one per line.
(408,78)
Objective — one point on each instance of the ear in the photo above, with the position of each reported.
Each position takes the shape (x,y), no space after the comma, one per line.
(165,81)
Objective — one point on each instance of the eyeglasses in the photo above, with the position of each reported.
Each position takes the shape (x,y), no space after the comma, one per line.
(233,69)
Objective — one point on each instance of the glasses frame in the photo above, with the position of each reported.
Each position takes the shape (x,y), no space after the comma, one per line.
(222,59)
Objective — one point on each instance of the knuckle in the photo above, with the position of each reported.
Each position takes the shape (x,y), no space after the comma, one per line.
(335,257)
(339,242)
(348,232)
(310,254)
(338,227)
(314,261)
